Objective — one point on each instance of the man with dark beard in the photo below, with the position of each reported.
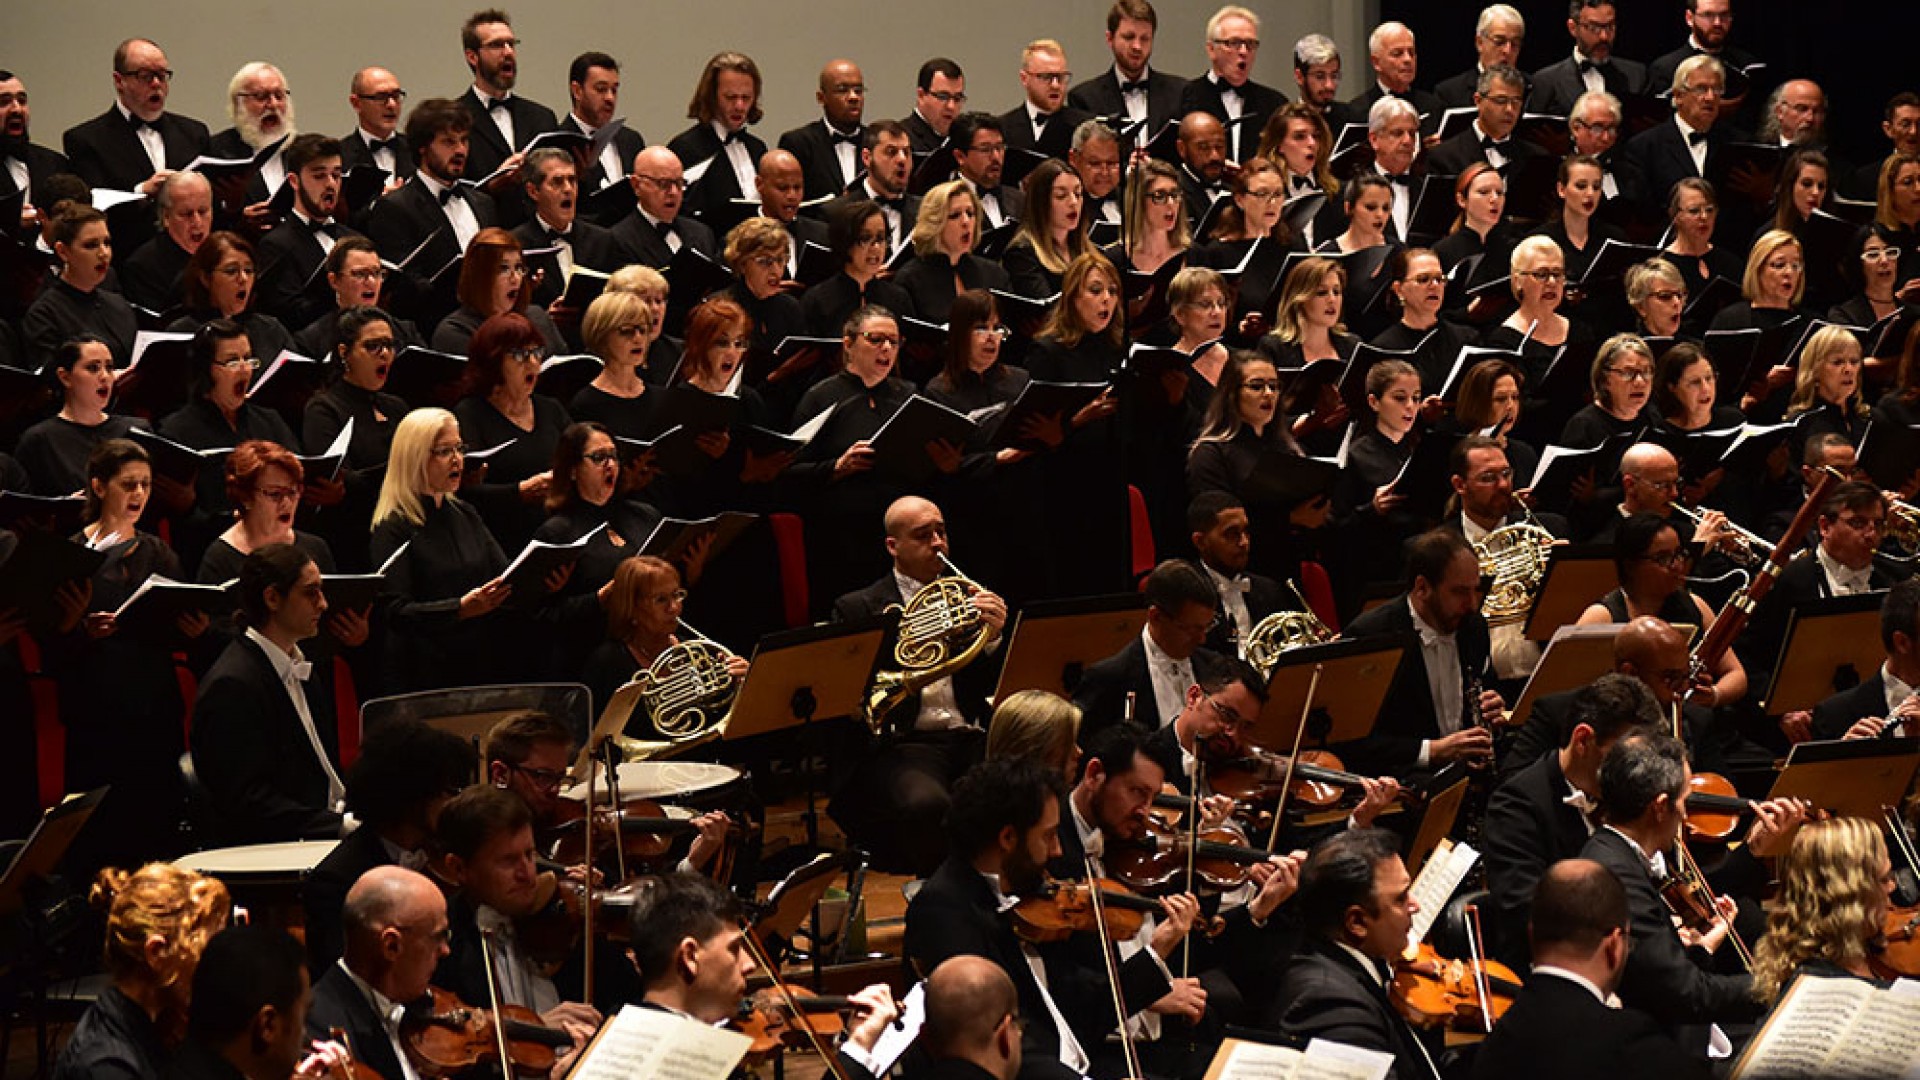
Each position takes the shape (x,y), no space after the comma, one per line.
(24,165)
(503,122)
(291,288)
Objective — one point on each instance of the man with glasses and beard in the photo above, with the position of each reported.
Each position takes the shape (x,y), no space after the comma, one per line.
(261,108)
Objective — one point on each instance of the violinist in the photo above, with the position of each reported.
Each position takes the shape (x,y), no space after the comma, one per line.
(1356,905)
(1565,1022)
(973,1023)
(1217,524)
(1158,668)
(487,840)
(1836,884)
(396,932)
(1888,696)
(689,946)
(1544,812)
(405,773)
(527,753)
(1643,793)
(250,999)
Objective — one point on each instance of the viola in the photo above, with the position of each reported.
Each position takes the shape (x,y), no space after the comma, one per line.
(767,1019)
(1065,908)
(551,935)
(1461,995)
(1713,807)
(1157,861)
(1899,954)
(452,1037)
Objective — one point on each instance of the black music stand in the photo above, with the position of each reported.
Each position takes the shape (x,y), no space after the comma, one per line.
(1053,642)
(1577,575)
(1826,639)
(1576,656)
(1354,679)
(1436,821)
(800,676)
(29,880)
(1851,777)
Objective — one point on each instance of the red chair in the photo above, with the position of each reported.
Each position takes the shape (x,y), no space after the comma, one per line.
(1141,528)
(1318,589)
(790,548)
(49,734)
(346,712)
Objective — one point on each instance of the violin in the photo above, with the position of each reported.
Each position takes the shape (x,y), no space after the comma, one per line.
(551,935)
(1899,954)
(1460,995)
(767,1019)
(1065,908)
(1713,807)
(452,1037)
(1320,780)
(1157,862)
(351,1068)
(646,834)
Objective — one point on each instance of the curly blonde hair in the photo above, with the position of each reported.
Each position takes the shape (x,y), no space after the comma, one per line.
(181,908)
(1831,904)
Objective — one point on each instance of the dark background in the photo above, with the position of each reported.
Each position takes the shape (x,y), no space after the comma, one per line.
(1861,53)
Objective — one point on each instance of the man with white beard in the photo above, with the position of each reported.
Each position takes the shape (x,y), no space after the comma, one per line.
(261,108)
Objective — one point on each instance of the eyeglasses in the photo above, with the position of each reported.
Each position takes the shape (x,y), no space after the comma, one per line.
(385,97)
(1237,44)
(1881,254)
(531,355)
(1051,78)
(1702,90)
(879,340)
(1502,41)
(1228,716)
(765,262)
(262,97)
(150,75)
(1668,560)
(1796,267)
(666,600)
(1214,304)
(378,273)
(281,494)
(1262,386)
(1632,375)
(1505,101)
(1426,279)
(664,183)
(870,239)
(1668,296)
(1266,196)
(511,270)
(601,457)
(1163,196)
(946,97)
(380,345)
(251,363)
(503,43)
(1600,127)
(1544,277)
(454,451)
(990,149)
(1491,476)
(993,331)
(235,270)
(1596,27)
(544,779)
(1860,524)
(630,330)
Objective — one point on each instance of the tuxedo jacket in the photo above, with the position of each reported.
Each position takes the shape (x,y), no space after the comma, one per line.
(638,241)
(1101,96)
(1558,85)
(593,248)
(41,163)
(1264,597)
(355,152)
(711,197)
(324,892)
(1663,978)
(105,152)
(1456,91)
(1832,717)
(229,144)
(909,211)
(1013,205)
(292,288)
(150,276)
(1452,157)
(1102,693)
(402,221)
(487,149)
(972,685)
(1407,715)
(338,1003)
(814,145)
(1529,827)
(1801,582)
(1657,158)
(1257,102)
(627,144)
(253,755)
(1325,994)
(921,138)
(1017,125)
(1556,1027)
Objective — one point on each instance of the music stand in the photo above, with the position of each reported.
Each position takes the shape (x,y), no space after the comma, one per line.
(46,846)
(1851,777)
(471,711)
(1436,822)
(1054,641)
(799,676)
(1825,638)
(1576,656)
(1577,575)
(1354,679)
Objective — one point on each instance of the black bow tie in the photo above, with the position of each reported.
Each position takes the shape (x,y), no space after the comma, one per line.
(1601,66)
(897,205)
(558,236)
(730,137)
(1403,180)
(1138,86)
(139,122)
(495,104)
(1505,146)
(1695,138)
(377,145)
(1040,119)
(669,228)
(318,226)
(851,138)
(452,192)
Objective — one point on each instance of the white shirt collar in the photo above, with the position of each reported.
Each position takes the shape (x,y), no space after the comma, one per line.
(1155,654)
(585,128)
(432,183)
(285,665)
(488,99)
(1581,980)
(1092,840)
(1221,581)
(1367,963)
(1897,688)
(388,1010)
(1686,130)
(370,138)
(1001,900)
(1841,576)
(1655,863)
(720,128)
(1428,635)
(907,586)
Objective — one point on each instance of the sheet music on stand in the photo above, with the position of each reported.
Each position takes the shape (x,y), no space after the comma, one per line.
(1835,1027)
(660,1045)
(1255,1059)
(1445,869)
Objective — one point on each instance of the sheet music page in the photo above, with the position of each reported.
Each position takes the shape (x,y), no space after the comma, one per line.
(1808,1029)
(1240,1059)
(1326,1060)
(662,1046)
(894,1041)
(1437,880)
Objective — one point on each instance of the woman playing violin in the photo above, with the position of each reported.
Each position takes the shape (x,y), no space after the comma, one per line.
(1835,884)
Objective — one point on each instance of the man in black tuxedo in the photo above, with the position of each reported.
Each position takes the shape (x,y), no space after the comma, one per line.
(150,277)
(726,100)
(1482,478)
(1095,158)
(972,1027)
(1131,92)
(1889,694)
(1643,793)
(1157,668)
(1900,124)
(1431,715)
(685,935)
(829,148)
(1396,64)
(886,164)
(1498,37)
(248,1018)
(656,230)
(1544,812)
(1202,147)
(980,153)
(1393,133)
(939,97)
(1043,122)
(264,743)
(260,104)
(429,222)
(593,87)
(291,288)
(556,226)
(1217,524)
(1592,65)
(502,122)
(376,96)
(1646,649)
(1673,150)
(1594,126)
(894,798)
(24,164)
(1316,75)
(1563,1022)
(395,933)
(1356,906)
(781,186)
(130,146)
(1227,91)
(1497,100)
(1709,25)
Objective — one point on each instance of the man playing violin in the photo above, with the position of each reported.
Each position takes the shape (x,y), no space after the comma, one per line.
(690,949)
(250,998)
(1356,905)
(396,933)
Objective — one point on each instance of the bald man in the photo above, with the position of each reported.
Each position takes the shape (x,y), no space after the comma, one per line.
(656,231)
(377,99)
(1202,146)
(781,185)
(1395,59)
(1648,650)
(396,932)
(829,148)
(973,1023)
(895,800)
(1649,482)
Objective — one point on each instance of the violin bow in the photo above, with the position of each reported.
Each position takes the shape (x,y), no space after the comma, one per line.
(1691,870)
(493,1001)
(608,752)
(1902,840)
(799,1015)
(1107,950)
(1475,954)
(586,901)
(1299,735)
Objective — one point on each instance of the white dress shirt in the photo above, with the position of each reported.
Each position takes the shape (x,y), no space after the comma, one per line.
(1233,602)
(609,159)
(502,118)
(1142,1024)
(459,215)
(293,671)
(324,239)
(382,156)
(1897,688)
(1592,79)
(150,140)
(1843,580)
(845,154)
(1170,678)
(1233,104)
(674,243)
(738,157)
(989,205)
(1441,653)
(1071,1054)
(390,1013)
(1696,151)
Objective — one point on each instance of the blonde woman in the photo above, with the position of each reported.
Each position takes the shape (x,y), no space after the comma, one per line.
(1039,726)
(1827,385)
(944,266)
(1306,330)
(1835,880)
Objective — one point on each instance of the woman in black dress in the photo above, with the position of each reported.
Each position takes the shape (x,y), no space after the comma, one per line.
(1481,194)
(757,251)
(220,281)
(1490,402)
(1657,293)
(1684,388)
(1199,300)
(1243,428)
(1297,139)
(1581,235)
(364,341)
(1154,229)
(1419,287)
(494,280)
(1622,380)
(1050,234)
(1900,408)
(663,350)
(1897,210)
(54,451)
(73,303)
(1307,330)
(1826,388)
(504,415)
(1537,331)
(1871,266)
(1259,191)
(643,607)
(1693,211)
(617,328)
(857,237)
(1370,513)
(1774,284)
(944,264)
(1801,190)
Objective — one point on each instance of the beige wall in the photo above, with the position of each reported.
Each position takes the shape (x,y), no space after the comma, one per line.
(63,48)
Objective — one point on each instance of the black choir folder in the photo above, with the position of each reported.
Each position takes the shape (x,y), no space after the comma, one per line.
(32,576)
(160,601)
(655,1042)
(900,446)
(527,574)
(1835,1026)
